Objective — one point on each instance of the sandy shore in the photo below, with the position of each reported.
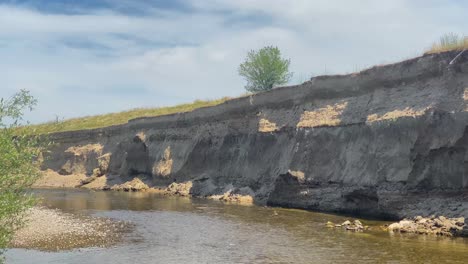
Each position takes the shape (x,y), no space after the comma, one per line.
(54,230)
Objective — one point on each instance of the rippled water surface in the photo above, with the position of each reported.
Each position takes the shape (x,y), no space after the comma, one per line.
(183,230)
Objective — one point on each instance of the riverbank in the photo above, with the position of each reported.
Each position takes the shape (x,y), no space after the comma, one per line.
(173,229)
(51,179)
(54,230)
(428,225)
(390,142)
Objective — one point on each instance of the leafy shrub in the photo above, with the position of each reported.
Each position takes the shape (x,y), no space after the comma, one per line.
(265,69)
(19,155)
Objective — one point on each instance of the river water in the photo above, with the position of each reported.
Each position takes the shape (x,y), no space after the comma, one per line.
(184,230)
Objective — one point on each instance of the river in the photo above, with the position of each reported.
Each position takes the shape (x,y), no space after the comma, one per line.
(184,230)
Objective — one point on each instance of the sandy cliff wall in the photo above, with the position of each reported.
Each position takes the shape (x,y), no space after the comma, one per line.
(390,141)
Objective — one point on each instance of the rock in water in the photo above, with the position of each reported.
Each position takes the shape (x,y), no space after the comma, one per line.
(182,189)
(346,223)
(131,186)
(431,225)
(356,225)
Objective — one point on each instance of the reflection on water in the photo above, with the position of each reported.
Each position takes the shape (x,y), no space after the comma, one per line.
(183,230)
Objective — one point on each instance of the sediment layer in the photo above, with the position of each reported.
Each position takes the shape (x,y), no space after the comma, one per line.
(390,142)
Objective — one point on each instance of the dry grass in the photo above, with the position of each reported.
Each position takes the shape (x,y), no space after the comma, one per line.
(449,42)
(395,114)
(265,125)
(326,116)
(105,120)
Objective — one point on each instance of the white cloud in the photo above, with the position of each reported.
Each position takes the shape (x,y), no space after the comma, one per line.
(104,61)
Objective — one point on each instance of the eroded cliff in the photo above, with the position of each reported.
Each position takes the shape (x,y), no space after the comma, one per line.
(390,141)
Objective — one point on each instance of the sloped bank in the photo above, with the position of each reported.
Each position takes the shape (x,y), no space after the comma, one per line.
(388,142)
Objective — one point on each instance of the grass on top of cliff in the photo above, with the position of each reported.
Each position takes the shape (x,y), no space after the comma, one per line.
(98,121)
(449,42)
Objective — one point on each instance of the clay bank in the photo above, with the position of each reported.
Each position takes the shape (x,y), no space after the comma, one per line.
(388,142)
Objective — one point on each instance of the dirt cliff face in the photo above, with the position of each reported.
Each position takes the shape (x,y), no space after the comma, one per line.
(390,141)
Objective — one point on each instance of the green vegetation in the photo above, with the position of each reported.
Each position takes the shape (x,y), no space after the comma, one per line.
(98,121)
(265,69)
(449,42)
(18,169)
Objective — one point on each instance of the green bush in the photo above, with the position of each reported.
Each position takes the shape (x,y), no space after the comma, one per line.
(18,165)
(265,69)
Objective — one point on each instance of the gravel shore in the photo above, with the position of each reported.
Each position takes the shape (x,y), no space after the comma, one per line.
(54,230)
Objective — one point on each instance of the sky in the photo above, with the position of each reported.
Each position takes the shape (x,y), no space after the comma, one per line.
(90,57)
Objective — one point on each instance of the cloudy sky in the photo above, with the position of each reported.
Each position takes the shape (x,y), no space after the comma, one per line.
(97,56)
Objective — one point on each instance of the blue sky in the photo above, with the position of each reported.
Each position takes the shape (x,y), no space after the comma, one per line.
(98,56)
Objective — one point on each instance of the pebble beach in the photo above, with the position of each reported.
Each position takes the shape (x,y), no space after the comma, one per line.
(55,230)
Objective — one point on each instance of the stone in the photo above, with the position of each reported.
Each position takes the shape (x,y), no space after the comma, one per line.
(460,221)
(346,223)
(438,223)
(422,221)
(406,223)
(182,189)
(394,227)
(97,172)
(131,186)
(357,223)
(433,225)
(422,231)
(87,180)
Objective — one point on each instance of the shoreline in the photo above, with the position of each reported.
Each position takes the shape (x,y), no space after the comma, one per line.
(55,230)
(161,219)
(437,225)
(53,179)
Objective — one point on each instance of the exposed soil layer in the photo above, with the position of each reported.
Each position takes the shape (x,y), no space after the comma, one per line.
(389,142)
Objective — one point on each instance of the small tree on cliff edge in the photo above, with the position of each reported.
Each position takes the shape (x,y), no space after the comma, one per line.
(18,165)
(265,69)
